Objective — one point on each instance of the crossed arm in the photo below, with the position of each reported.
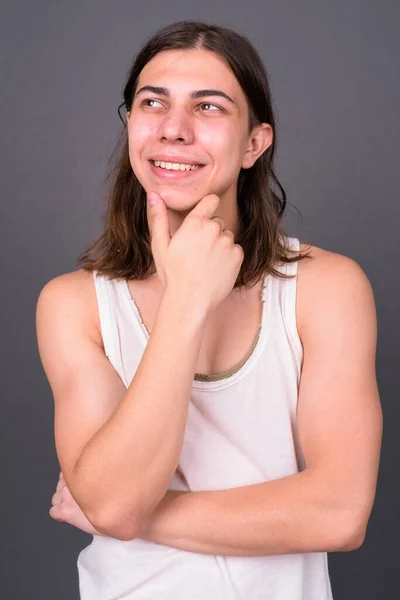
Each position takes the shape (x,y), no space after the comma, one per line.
(325,507)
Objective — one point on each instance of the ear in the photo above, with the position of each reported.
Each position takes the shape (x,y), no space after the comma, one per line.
(127,115)
(260,139)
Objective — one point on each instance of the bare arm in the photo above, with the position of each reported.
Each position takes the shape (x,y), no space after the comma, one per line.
(327,506)
(118,449)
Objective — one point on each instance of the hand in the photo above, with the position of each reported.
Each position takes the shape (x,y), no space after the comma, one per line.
(65,509)
(201,260)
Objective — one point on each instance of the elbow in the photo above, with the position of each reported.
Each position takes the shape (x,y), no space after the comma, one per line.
(350,536)
(107,521)
(351,542)
(119,527)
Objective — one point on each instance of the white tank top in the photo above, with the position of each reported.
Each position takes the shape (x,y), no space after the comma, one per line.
(241,429)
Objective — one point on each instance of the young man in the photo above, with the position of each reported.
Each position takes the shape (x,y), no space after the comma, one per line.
(216,439)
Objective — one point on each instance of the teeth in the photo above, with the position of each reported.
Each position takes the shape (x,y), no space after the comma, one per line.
(175,166)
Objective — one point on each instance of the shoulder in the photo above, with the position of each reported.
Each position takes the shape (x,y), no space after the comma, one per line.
(70,296)
(328,283)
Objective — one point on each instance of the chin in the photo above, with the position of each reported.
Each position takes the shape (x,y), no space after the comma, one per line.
(179,201)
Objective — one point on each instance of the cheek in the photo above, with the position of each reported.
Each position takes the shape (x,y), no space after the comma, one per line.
(221,141)
(141,135)
(215,138)
(225,150)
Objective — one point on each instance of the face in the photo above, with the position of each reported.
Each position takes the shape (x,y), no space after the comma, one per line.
(208,131)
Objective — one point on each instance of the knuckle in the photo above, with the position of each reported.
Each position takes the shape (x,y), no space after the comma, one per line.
(239,250)
(226,239)
(54,512)
(214,226)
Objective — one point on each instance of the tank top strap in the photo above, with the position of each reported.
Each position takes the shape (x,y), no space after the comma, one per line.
(107,302)
(288,300)
(104,311)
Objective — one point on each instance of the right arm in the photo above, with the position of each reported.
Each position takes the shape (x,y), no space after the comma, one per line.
(118,448)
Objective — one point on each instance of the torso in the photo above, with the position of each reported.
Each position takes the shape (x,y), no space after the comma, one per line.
(232,329)
(230,332)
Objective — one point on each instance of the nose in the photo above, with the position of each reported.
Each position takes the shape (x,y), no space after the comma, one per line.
(176,126)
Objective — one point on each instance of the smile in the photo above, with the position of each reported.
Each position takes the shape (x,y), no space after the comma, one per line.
(169,170)
(171,166)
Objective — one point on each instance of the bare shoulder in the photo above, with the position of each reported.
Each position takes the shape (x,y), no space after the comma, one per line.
(328,278)
(74,294)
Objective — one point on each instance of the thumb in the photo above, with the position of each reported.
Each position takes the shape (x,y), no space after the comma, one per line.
(159,223)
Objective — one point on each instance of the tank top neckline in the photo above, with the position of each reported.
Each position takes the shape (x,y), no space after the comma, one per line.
(217,381)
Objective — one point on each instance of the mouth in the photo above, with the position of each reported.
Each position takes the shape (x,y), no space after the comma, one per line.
(168,170)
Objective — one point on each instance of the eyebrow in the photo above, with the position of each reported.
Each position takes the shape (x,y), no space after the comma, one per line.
(162,91)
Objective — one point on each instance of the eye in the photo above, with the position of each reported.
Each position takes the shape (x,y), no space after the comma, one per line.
(147,100)
(209,104)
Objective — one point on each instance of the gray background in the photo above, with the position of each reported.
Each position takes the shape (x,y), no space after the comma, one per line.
(333,68)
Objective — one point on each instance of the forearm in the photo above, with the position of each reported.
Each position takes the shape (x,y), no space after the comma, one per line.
(127,466)
(285,516)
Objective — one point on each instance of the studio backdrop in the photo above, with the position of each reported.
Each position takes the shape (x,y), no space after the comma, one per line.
(333,68)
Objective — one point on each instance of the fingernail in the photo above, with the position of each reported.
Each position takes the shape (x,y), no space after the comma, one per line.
(153,198)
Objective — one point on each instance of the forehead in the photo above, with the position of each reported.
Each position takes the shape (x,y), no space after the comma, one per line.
(188,70)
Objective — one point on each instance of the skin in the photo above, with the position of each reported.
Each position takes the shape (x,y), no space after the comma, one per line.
(209,130)
(326,507)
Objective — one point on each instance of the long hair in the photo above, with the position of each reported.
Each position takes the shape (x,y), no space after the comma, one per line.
(124,248)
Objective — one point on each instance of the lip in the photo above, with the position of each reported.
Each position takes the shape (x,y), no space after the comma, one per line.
(166,174)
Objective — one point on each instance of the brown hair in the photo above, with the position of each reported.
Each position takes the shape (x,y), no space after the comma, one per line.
(124,248)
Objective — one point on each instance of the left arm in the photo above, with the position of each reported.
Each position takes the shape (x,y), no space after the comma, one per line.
(325,507)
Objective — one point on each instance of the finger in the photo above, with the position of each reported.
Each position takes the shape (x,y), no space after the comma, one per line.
(220,220)
(159,225)
(61,484)
(66,494)
(54,513)
(207,206)
(56,498)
